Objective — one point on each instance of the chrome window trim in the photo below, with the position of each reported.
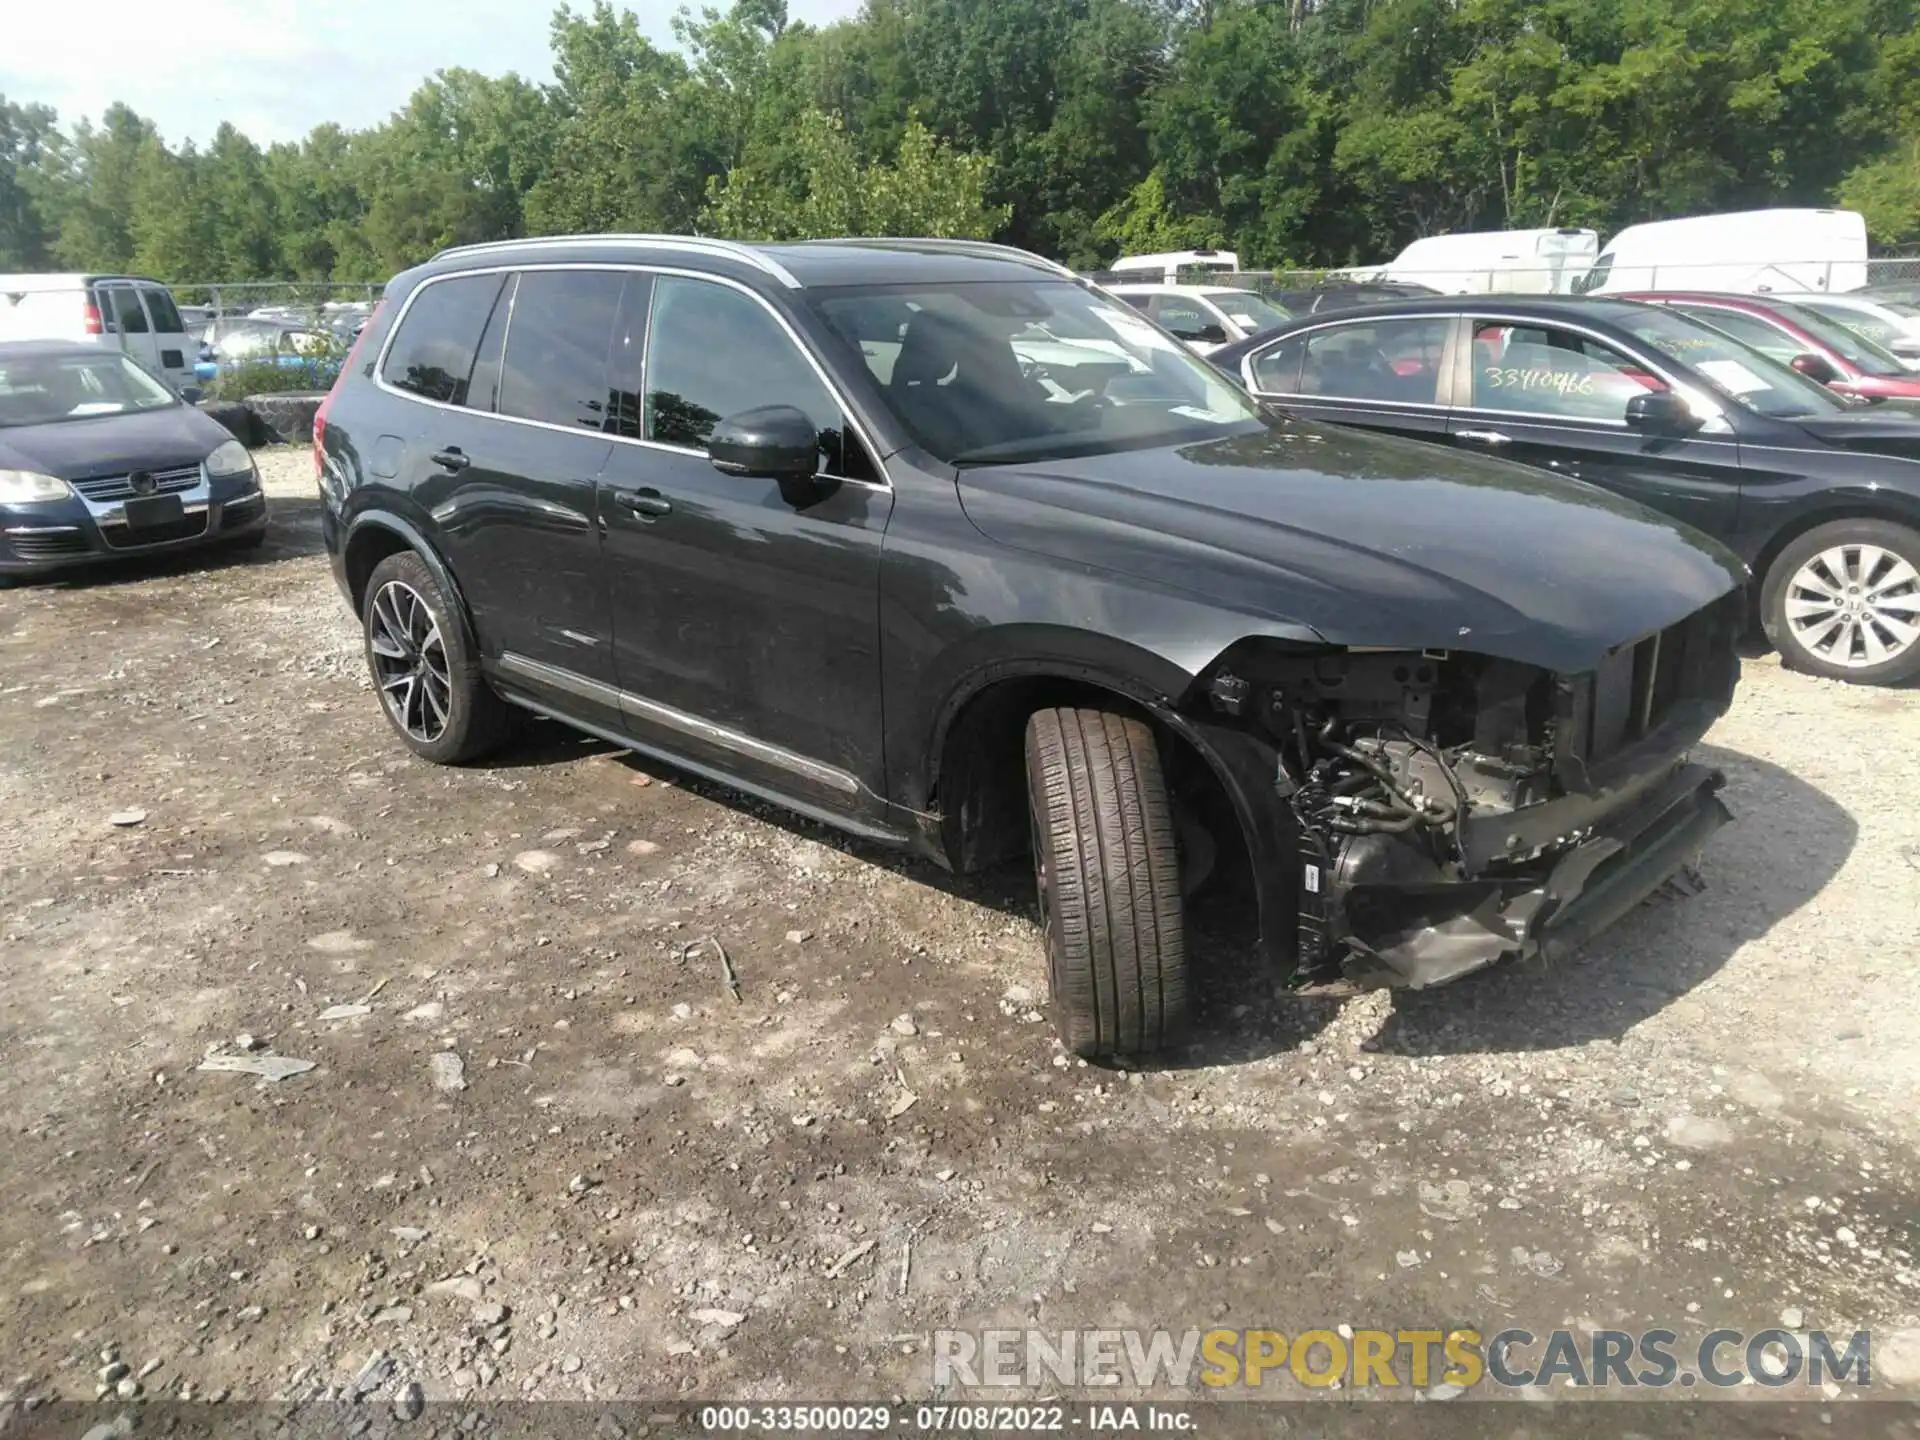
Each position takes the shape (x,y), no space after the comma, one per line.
(705,730)
(506,339)
(1415,406)
(696,244)
(620,267)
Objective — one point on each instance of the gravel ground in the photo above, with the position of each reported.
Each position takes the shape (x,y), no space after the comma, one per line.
(546,1155)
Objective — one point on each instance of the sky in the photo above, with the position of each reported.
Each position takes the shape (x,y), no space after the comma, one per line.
(277,68)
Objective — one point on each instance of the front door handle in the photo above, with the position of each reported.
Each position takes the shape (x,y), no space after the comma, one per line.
(1485,437)
(451,458)
(650,503)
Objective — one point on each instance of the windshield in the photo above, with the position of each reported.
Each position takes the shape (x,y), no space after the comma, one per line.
(1739,372)
(47,389)
(1004,372)
(1861,321)
(1887,330)
(1249,311)
(1856,349)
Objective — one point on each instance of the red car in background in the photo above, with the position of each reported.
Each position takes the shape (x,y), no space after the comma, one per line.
(1818,347)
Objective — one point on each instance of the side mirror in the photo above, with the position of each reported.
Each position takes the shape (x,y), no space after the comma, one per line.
(771,442)
(1208,334)
(1815,367)
(1660,412)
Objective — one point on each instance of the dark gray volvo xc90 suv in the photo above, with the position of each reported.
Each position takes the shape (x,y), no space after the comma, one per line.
(936,542)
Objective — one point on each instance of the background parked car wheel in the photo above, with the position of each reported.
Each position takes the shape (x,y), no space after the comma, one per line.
(429,683)
(1109,880)
(1843,601)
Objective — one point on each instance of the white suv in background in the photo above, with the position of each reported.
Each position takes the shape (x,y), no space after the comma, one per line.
(1204,317)
(129,313)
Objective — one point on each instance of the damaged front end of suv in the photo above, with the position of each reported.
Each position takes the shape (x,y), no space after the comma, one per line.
(1452,810)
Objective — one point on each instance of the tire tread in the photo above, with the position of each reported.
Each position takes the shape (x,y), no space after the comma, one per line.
(1116,935)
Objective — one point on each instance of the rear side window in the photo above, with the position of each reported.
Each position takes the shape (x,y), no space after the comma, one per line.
(432,353)
(127,314)
(555,368)
(1276,370)
(1371,360)
(166,315)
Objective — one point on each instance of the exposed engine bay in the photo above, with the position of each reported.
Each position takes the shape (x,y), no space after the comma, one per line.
(1452,809)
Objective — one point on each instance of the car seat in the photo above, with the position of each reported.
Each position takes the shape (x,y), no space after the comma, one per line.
(947,377)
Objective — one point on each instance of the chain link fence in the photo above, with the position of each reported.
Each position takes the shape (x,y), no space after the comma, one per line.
(295,300)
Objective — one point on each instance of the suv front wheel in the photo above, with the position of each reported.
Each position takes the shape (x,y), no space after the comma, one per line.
(1109,878)
(429,680)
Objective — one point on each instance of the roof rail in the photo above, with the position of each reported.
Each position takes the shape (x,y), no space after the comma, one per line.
(731,249)
(985,249)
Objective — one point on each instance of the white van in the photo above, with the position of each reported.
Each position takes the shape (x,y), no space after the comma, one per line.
(1496,262)
(1166,267)
(1752,252)
(125,312)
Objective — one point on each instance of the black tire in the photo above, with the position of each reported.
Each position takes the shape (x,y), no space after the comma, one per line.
(461,719)
(1794,582)
(1108,870)
(253,541)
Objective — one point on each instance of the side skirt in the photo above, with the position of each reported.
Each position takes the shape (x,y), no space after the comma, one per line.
(865,829)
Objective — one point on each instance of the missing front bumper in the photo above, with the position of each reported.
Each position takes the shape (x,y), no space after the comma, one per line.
(1548,912)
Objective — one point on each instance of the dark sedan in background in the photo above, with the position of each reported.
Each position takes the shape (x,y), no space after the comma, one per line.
(100,460)
(1821,347)
(1820,497)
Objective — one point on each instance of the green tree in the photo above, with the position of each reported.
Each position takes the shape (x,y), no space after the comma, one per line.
(171,225)
(89,198)
(1886,189)
(26,132)
(1308,131)
(928,189)
(620,158)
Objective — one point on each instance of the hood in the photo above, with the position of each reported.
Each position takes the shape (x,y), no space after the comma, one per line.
(1892,428)
(112,444)
(1367,540)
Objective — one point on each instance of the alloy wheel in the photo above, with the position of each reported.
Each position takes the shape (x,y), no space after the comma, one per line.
(410,661)
(1855,605)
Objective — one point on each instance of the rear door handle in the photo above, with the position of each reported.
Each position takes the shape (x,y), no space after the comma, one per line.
(451,458)
(1485,437)
(650,503)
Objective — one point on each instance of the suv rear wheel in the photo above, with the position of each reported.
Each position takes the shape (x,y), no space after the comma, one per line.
(429,681)
(1843,601)
(1109,878)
